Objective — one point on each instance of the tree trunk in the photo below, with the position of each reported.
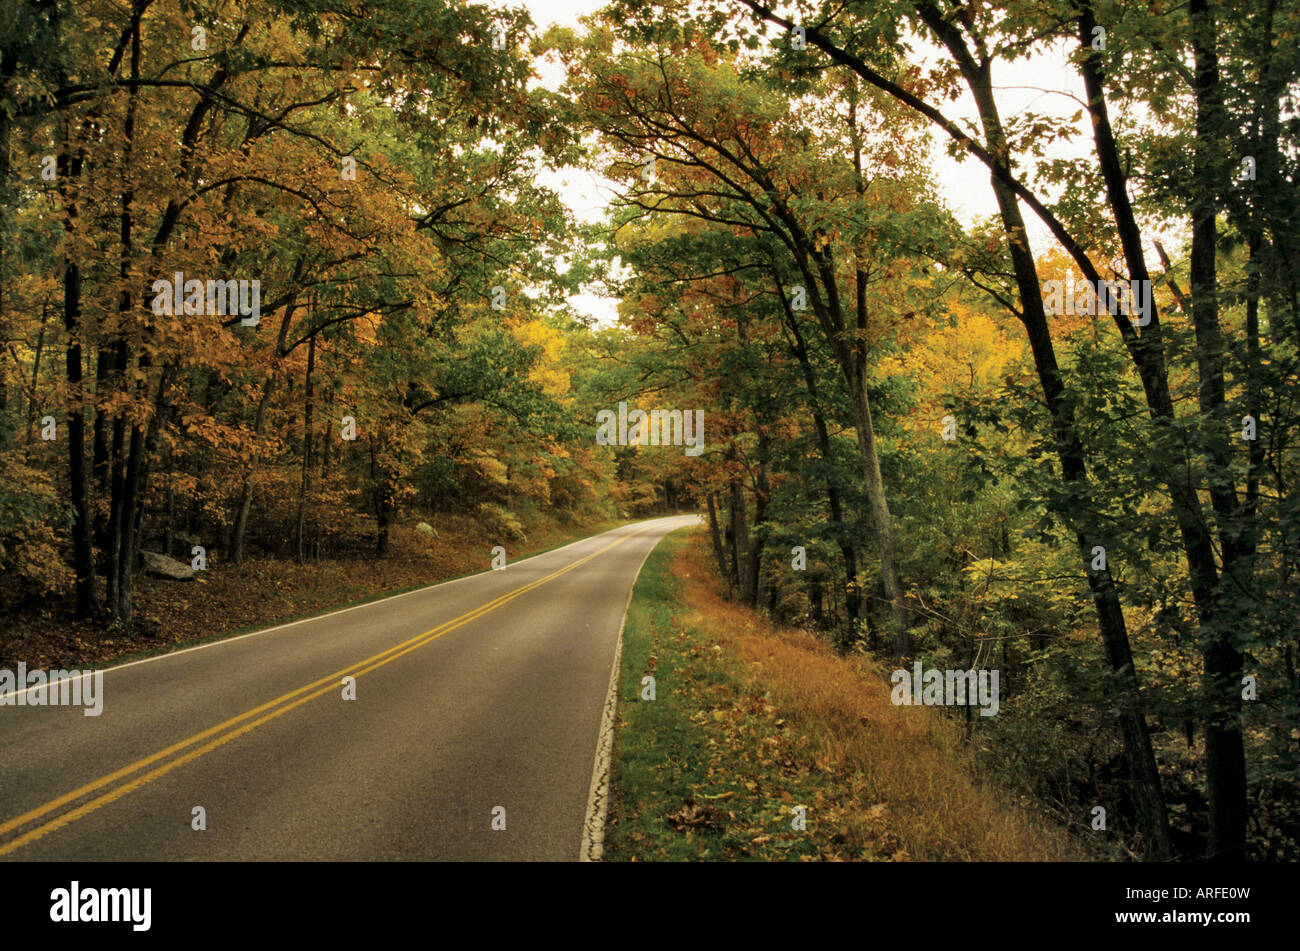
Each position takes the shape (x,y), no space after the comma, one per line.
(740,541)
(714,533)
(240,533)
(1147,793)
(307,436)
(852,596)
(124,472)
(1224,747)
(382,481)
(69,167)
(762,493)
(169,536)
(36,374)
(1225,772)
(129,523)
(82,552)
(882,521)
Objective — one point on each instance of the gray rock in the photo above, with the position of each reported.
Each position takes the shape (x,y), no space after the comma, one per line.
(149,627)
(160,566)
(424,528)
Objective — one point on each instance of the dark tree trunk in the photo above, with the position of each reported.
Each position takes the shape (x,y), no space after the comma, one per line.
(36,372)
(1147,793)
(381,479)
(307,436)
(739,534)
(762,492)
(169,535)
(69,168)
(815,610)
(130,522)
(240,532)
(82,553)
(843,538)
(1224,748)
(715,534)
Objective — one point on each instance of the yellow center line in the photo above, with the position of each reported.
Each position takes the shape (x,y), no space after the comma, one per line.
(331,682)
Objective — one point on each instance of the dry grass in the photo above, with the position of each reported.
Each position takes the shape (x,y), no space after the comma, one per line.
(904,767)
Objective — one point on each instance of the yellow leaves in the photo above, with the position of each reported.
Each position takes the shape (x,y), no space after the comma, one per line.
(548,373)
(975,355)
(492,470)
(366,328)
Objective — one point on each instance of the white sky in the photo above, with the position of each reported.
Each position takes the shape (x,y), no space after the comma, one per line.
(1044,84)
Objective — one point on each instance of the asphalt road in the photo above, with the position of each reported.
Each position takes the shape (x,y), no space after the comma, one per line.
(478,693)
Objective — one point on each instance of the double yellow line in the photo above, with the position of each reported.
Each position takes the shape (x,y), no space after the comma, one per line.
(268,711)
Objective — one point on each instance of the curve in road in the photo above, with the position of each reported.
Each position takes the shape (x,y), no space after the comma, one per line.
(477,714)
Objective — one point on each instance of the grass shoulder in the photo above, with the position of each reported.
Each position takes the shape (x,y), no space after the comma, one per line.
(762,744)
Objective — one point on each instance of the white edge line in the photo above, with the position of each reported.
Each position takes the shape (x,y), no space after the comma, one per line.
(592,848)
(317,617)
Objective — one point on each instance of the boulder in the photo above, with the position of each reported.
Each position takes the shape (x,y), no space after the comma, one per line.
(160,566)
(424,528)
(149,627)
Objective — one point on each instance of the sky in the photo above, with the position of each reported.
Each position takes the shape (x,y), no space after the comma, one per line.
(1045,84)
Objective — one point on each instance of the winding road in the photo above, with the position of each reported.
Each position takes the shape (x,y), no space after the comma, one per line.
(478,703)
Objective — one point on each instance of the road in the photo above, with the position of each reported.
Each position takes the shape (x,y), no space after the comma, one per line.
(474,694)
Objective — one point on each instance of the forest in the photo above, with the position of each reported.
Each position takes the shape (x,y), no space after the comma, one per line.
(280,279)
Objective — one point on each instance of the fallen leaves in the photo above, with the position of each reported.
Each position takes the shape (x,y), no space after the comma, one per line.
(694,816)
(260,592)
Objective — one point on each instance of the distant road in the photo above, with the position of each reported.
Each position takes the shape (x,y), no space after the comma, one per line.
(478,693)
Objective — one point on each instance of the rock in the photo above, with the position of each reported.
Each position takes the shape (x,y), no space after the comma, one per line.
(160,566)
(149,627)
(424,528)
